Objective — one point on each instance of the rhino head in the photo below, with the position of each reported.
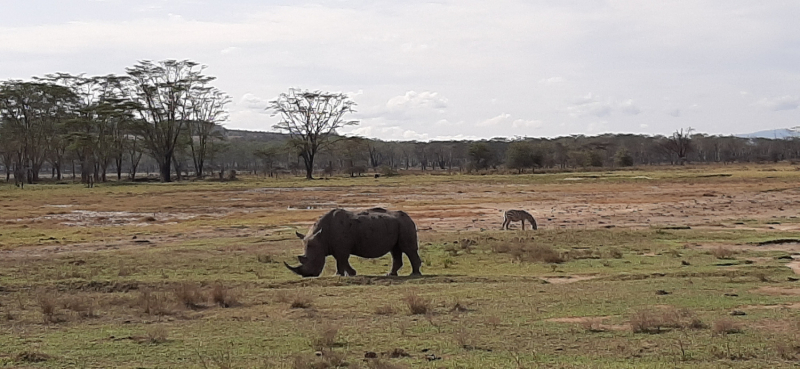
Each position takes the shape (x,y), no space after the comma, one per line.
(312,263)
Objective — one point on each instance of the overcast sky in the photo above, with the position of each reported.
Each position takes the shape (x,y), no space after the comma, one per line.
(422,70)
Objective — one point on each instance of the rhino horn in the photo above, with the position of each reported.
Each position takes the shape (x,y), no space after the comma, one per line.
(300,235)
(296,270)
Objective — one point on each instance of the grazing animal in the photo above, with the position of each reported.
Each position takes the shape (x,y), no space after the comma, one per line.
(518,216)
(369,234)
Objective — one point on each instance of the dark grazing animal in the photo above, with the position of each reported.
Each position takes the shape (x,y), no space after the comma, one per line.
(518,216)
(369,234)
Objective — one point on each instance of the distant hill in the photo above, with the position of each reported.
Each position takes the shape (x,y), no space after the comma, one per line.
(774,133)
(237,134)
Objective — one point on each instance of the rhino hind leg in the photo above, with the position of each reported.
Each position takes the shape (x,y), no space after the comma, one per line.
(416,262)
(397,262)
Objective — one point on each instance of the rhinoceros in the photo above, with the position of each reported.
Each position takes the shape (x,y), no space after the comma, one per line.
(369,234)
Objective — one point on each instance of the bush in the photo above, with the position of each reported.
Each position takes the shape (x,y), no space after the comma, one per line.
(722,253)
(223,297)
(189,295)
(726,326)
(417,305)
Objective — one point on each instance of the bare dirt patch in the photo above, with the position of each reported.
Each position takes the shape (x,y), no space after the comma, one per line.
(568,278)
(593,322)
(777,291)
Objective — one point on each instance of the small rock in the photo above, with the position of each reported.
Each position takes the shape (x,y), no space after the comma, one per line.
(793,279)
(662,292)
(370,355)
(731,295)
(684,262)
(318,353)
(432,357)
(738,313)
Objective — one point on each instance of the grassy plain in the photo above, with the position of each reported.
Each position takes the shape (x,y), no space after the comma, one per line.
(629,269)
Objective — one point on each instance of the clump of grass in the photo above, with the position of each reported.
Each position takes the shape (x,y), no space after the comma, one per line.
(787,349)
(530,253)
(723,253)
(726,326)
(32,357)
(592,325)
(189,295)
(157,334)
(266,258)
(325,337)
(384,310)
(83,305)
(299,300)
(650,320)
(154,303)
(615,253)
(417,305)
(493,321)
(48,305)
(223,296)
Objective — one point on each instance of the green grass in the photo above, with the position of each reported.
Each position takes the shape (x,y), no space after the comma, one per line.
(489,307)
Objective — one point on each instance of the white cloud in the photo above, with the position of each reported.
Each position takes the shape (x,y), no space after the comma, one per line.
(779,103)
(500,120)
(674,112)
(253,102)
(413,100)
(551,80)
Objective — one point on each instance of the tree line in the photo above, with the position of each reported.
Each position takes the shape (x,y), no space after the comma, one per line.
(167,117)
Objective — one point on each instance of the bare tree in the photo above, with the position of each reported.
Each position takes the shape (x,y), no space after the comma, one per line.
(679,144)
(311,120)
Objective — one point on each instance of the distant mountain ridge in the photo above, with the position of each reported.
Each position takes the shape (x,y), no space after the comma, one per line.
(774,133)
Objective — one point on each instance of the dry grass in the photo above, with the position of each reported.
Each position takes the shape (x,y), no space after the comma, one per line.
(656,320)
(189,295)
(726,326)
(157,334)
(224,296)
(723,253)
(592,325)
(48,305)
(417,305)
(325,337)
(155,303)
(83,305)
(615,253)
(301,300)
(32,357)
(385,310)
(530,253)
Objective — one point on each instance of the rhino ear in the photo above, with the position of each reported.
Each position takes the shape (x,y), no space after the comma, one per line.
(300,235)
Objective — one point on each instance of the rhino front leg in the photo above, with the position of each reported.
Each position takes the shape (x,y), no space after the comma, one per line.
(343,267)
(397,261)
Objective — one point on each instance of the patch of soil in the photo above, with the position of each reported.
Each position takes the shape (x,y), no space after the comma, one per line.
(590,320)
(777,291)
(568,278)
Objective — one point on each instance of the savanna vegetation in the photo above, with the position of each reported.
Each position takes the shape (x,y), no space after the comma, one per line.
(643,268)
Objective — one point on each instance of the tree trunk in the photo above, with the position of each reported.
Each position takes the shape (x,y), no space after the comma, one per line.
(165,169)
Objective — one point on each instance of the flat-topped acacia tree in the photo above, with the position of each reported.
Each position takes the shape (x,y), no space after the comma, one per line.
(169,96)
(311,119)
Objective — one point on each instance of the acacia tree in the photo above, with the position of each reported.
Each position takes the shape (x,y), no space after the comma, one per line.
(166,96)
(311,119)
(32,114)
